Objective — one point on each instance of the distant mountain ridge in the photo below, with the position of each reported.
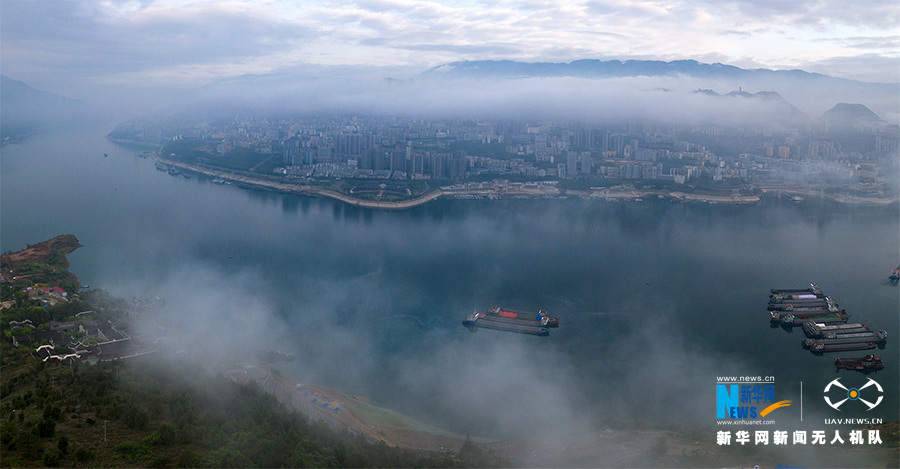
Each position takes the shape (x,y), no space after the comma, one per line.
(593,68)
(812,92)
(17,93)
(25,109)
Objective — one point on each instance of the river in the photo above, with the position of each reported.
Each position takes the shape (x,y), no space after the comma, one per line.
(656,300)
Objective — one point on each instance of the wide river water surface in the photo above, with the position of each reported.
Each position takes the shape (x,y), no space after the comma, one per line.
(656,300)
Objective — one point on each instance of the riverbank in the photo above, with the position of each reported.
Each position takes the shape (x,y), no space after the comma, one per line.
(846,199)
(732,199)
(303,188)
(511,190)
(640,194)
(450,191)
(855,200)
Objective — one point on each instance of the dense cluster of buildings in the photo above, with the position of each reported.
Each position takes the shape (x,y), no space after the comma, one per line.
(410,148)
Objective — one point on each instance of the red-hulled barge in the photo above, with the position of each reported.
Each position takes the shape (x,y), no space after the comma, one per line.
(867,363)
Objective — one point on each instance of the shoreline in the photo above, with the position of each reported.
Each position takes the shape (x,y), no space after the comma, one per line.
(451,192)
(673,195)
(305,189)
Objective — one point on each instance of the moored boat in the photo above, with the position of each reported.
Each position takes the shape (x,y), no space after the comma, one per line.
(829,305)
(482,320)
(548,321)
(789,319)
(821,346)
(794,296)
(816,329)
(840,339)
(511,321)
(867,363)
(799,301)
(813,288)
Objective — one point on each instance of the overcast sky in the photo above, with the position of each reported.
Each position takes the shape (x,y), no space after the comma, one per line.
(73,46)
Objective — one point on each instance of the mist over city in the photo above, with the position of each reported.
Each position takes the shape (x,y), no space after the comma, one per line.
(416,234)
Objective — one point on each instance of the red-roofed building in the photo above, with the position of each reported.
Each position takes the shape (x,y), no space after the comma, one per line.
(58,290)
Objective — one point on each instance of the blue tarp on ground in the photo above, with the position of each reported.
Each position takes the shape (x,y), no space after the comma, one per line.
(337,409)
(315,399)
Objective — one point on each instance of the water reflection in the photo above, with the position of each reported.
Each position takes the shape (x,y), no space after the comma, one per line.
(374,307)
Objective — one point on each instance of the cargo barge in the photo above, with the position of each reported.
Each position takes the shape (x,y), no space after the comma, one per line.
(803,308)
(867,363)
(797,306)
(794,296)
(548,321)
(813,288)
(822,346)
(788,319)
(796,302)
(782,298)
(807,302)
(510,321)
(861,337)
(815,330)
(807,314)
(499,323)
(829,307)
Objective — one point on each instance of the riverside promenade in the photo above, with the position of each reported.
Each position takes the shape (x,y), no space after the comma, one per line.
(239,177)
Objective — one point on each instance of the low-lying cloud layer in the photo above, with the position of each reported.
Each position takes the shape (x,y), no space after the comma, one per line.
(85,49)
(559,98)
(378,329)
(485,384)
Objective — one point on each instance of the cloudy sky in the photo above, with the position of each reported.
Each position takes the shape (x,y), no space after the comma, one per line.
(71,47)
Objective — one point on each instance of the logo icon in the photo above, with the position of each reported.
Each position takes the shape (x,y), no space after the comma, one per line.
(852,394)
(746,400)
